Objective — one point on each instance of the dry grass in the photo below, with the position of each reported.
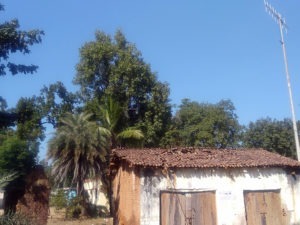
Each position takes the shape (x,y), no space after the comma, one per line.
(79,222)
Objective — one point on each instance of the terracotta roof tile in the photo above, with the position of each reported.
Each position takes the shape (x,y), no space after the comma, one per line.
(203,158)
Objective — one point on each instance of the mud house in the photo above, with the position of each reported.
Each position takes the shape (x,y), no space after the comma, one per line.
(205,186)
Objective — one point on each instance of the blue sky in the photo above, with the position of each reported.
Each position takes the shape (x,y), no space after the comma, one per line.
(205,50)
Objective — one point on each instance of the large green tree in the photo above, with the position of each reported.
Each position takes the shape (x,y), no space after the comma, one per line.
(77,150)
(16,156)
(114,68)
(204,125)
(271,134)
(19,145)
(14,40)
(29,119)
(29,125)
(20,128)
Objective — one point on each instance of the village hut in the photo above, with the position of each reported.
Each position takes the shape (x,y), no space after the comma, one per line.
(204,186)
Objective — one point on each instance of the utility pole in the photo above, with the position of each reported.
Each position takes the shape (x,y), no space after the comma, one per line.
(282,25)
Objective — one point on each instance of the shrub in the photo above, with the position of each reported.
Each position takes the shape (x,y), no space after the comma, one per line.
(59,200)
(15,219)
(74,209)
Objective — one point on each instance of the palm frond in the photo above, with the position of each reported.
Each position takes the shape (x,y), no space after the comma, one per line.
(113,113)
(104,131)
(78,148)
(131,133)
(5,179)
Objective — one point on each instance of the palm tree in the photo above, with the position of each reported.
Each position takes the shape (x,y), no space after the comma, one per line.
(113,118)
(113,125)
(5,179)
(78,150)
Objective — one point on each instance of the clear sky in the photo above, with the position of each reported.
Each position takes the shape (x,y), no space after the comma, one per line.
(205,50)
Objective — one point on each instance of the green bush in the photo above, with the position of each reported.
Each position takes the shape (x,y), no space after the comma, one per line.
(59,200)
(74,208)
(15,219)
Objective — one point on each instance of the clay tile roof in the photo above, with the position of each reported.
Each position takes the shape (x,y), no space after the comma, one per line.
(202,158)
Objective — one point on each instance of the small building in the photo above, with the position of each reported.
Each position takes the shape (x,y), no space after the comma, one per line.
(188,186)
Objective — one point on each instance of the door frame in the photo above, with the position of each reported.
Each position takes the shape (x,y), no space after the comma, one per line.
(183,191)
(277,190)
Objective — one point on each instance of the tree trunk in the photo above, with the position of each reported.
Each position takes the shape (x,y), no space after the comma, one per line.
(108,182)
(110,196)
(82,197)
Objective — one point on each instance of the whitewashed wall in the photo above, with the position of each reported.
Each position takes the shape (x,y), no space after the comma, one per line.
(1,199)
(229,185)
(96,195)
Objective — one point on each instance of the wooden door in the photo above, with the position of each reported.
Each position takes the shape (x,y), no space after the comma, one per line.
(263,208)
(189,208)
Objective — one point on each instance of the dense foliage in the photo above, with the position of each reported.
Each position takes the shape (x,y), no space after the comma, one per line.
(15,219)
(273,135)
(114,68)
(16,156)
(59,200)
(204,125)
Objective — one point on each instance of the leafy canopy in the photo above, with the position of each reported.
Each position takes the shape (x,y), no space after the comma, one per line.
(114,68)
(14,40)
(16,156)
(204,125)
(271,134)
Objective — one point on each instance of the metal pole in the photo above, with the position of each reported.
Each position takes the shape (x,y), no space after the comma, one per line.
(290,91)
(282,25)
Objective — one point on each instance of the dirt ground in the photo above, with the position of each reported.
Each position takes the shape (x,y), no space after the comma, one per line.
(79,222)
(57,218)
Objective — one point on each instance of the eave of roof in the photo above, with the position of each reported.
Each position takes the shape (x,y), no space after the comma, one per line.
(202,158)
